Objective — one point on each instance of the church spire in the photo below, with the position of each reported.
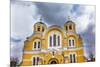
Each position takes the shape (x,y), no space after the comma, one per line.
(69,25)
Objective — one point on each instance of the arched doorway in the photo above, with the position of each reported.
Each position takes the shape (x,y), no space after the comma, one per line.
(53,61)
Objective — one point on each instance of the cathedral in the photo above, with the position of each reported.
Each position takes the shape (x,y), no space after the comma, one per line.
(53,45)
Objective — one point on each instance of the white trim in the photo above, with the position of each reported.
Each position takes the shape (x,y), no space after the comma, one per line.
(49,50)
(45,51)
(72,49)
(32,52)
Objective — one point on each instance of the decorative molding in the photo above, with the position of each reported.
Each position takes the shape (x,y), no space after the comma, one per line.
(50,50)
(32,52)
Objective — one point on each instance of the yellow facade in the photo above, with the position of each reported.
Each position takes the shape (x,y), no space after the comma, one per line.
(53,45)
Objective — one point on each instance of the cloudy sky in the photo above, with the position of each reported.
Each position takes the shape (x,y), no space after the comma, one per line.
(25,14)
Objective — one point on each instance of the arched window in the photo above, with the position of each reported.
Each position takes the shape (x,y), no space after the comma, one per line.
(35,60)
(38,44)
(35,45)
(54,40)
(70,27)
(50,41)
(38,28)
(58,40)
(71,42)
(42,29)
(66,28)
(72,58)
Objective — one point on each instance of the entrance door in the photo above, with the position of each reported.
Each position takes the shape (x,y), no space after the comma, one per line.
(53,62)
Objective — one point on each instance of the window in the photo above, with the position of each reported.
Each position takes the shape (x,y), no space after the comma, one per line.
(38,28)
(50,41)
(58,40)
(38,44)
(66,28)
(72,58)
(54,40)
(35,60)
(34,44)
(70,27)
(42,29)
(71,42)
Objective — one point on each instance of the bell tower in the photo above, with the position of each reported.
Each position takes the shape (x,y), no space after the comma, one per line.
(69,26)
(39,26)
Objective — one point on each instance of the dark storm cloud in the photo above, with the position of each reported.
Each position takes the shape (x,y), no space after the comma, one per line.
(77,10)
(89,39)
(53,13)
